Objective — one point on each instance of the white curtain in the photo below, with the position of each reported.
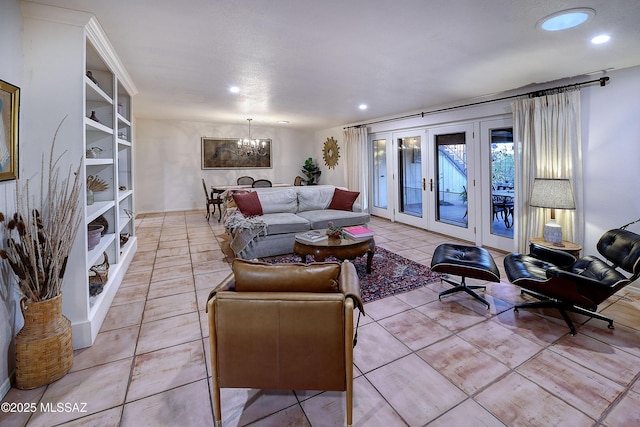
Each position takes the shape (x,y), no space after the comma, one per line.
(357,172)
(547,145)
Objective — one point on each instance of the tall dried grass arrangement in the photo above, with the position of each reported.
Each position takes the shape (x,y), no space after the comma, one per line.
(39,236)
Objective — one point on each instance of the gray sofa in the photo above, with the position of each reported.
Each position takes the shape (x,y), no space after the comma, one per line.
(286,212)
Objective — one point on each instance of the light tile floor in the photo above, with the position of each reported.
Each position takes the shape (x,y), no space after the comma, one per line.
(419,361)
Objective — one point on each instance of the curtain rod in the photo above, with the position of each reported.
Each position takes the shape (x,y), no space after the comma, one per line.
(534,94)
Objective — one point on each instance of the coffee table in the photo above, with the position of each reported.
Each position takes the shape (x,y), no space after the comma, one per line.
(339,248)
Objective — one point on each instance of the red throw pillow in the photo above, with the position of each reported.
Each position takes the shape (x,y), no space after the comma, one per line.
(248,203)
(343,200)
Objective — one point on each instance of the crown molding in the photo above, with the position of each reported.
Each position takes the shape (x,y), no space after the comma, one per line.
(101,43)
(94,33)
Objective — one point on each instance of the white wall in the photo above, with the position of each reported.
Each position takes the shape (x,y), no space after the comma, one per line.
(338,175)
(611,155)
(167,158)
(11,72)
(168,174)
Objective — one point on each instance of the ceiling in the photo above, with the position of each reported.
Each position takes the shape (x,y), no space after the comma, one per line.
(313,62)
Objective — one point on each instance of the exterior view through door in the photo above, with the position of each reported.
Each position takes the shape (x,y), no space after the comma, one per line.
(451,170)
(410,176)
(502,174)
(448,180)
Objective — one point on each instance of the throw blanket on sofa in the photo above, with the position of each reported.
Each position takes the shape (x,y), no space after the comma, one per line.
(244,230)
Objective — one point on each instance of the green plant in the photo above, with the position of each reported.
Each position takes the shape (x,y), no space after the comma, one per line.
(335,230)
(311,170)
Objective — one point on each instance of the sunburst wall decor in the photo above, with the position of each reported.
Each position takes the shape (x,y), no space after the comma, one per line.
(331,153)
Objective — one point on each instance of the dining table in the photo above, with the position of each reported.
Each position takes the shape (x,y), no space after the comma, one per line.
(503,193)
(219,189)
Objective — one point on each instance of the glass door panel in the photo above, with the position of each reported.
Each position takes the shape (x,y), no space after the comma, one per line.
(502,175)
(450,173)
(497,189)
(380,173)
(451,170)
(381,165)
(408,177)
(410,174)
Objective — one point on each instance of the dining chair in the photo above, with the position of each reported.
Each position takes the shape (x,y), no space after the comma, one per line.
(208,200)
(260,183)
(498,207)
(508,212)
(244,180)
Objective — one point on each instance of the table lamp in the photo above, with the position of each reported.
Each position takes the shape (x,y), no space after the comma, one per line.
(553,194)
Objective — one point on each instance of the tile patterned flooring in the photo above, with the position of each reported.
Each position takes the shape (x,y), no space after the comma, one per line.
(419,361)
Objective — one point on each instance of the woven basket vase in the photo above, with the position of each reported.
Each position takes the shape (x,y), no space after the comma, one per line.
(44,351)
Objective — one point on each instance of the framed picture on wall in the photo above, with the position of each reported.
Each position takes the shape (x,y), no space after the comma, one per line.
(9,113)
(227,153)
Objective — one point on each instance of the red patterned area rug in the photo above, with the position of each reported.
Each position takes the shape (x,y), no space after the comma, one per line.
(391,274)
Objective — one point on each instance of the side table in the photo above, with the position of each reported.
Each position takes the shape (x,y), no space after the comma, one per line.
(568,247)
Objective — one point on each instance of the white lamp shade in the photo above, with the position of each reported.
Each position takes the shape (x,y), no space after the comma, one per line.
(552,193)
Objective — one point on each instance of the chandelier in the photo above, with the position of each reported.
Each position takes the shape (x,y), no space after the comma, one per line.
(251,147)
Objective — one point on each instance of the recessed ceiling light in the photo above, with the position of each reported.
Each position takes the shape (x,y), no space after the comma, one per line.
(602,38)
(362,106)
(566,19)
(284,122)
(234,89)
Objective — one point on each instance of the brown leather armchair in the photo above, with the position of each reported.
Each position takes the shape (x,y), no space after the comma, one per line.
(284,326)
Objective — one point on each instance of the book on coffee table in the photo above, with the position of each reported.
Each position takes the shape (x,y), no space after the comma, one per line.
(358,232)
(312,236)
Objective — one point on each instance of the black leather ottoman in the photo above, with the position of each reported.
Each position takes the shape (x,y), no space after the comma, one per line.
(465,261)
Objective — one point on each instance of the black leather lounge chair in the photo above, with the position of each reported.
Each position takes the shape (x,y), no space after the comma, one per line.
(561,281)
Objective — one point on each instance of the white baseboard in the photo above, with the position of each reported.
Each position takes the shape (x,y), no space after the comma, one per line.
(6,386)
(152,212)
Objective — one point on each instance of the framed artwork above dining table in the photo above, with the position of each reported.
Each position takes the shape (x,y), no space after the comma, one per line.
(233,153)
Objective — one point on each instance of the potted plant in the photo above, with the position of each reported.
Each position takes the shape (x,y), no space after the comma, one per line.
(36,242)
(311,170)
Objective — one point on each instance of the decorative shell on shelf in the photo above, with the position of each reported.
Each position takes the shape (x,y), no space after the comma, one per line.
(95,183)
(331,152)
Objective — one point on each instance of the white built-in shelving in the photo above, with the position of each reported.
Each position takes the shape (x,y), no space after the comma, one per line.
(63,46)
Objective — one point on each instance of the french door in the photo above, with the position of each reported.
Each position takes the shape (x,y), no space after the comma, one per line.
(498,174)
(409,177)
(451,182)
(382,197)
(399,162)
(448,179)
